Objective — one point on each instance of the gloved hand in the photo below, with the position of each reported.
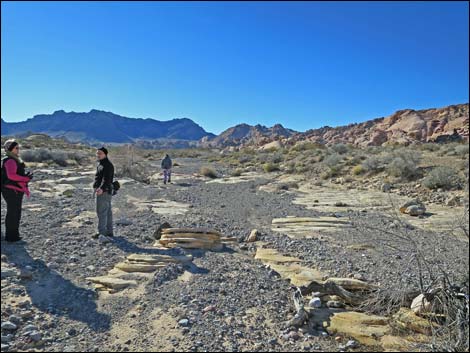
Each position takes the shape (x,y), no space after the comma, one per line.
(29,175)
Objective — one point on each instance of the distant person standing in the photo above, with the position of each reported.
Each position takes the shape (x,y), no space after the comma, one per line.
(166,165)
(14,186)
(103,187)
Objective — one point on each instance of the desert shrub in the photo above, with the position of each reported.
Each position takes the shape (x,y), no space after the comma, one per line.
(270,167)
(332,160)
(289,167)
(462,150)
(56,156)
(432,147)
(208,172)
(357,170)
(373,164)
(442,177)
(135,171)
(334,163)
(276,158)
(237,172)
(405,164)
(340,148)
(245,158)
(304,146)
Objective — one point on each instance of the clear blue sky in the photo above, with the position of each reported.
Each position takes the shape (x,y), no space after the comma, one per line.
(304,65)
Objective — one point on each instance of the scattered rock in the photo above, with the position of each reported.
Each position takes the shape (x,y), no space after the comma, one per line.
(315,303)
(334,304)
(158,232)
(413,208)
(9,326)
(454,201)
(407,319)
(253,236)
(35,336)
(386,187)
(183,323)
(420,305)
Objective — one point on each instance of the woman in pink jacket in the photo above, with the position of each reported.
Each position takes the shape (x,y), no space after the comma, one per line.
(14,186)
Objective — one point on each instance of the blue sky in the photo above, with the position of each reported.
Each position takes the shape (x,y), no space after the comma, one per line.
(301,64)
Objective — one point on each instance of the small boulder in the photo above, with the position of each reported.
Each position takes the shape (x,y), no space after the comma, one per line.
(315,303)
(420,305)
(158,232)
(334,304)
(183,323)
(413,208)
(253,236)
(9,326)
(386,187)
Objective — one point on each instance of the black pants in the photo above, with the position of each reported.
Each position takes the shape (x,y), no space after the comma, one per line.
(14,200)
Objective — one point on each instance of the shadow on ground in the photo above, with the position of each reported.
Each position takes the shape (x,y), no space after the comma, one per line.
(50,292)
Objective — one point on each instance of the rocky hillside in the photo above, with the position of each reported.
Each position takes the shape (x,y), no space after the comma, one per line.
(245,134)
(101,126)
(403,127)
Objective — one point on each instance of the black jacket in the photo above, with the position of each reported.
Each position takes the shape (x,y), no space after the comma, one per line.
(104,176)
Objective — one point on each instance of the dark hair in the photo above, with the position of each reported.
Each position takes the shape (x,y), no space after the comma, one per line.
(104,150)
(10,145)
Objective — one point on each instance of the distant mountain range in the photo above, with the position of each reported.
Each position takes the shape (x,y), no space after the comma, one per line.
(403,127)
(100,126)
(245,134)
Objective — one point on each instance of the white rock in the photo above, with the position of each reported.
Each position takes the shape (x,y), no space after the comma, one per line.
(420,305)
(35,336)
(183,322)
(315,303)
(9,326)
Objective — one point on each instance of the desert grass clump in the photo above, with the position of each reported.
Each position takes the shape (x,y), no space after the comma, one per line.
(358,170)
(208,172)
(237,172)
(270,167)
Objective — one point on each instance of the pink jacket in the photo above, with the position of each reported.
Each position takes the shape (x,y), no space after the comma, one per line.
(22,181)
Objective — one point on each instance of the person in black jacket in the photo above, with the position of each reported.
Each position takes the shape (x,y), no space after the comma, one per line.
(103,187)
